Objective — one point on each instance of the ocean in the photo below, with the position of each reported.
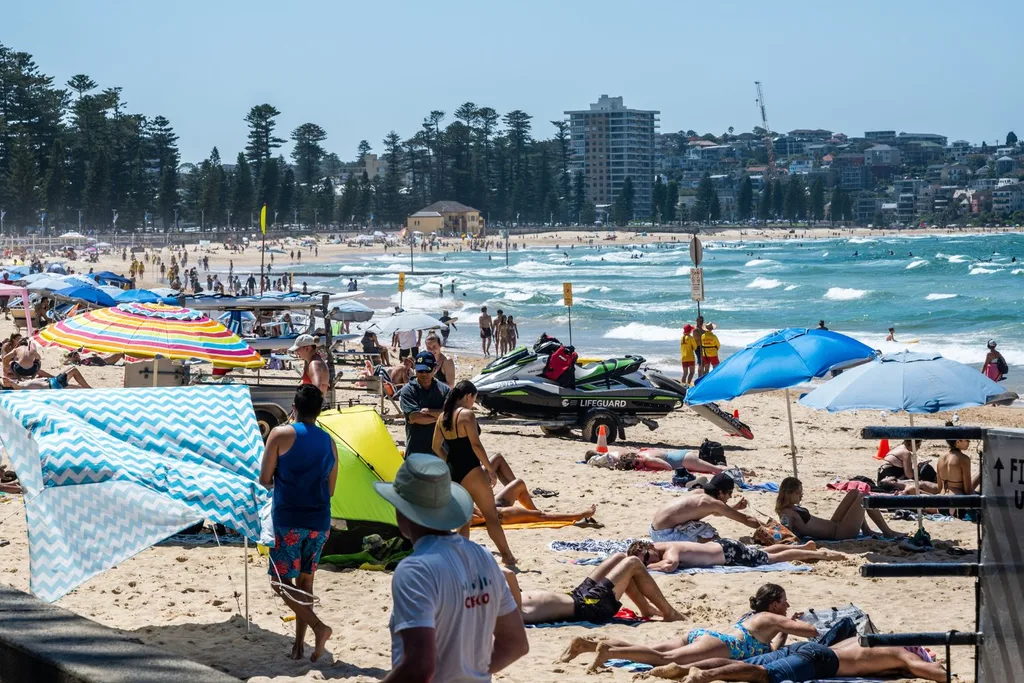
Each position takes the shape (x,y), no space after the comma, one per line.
(948,294)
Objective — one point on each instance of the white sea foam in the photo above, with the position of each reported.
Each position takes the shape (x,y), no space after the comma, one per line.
(860,240)
(825,255)
(764,283)
(642,332)
(790,288)
(978,270)
(939,297)
(1017,271)
(761,262)
(845,294)
(917,264)
(959,258)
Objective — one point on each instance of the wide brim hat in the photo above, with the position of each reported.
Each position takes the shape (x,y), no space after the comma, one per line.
(424,493)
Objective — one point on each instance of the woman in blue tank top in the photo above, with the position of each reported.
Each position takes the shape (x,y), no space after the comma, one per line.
(300,466)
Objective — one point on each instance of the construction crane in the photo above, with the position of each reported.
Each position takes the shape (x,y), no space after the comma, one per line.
(767,132)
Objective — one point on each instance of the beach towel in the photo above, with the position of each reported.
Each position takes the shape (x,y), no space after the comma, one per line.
(624,617)
(860,537)
(637,667)
(204,538)
(694,531)
(777,567)
(591,545)
(848,485)
(546,524)
(765,487)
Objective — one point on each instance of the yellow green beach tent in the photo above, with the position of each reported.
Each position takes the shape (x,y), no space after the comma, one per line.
(366,454)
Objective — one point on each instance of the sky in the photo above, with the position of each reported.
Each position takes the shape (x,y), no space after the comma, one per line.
(361,69)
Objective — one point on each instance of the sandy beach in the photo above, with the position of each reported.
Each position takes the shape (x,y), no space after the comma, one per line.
(184,599)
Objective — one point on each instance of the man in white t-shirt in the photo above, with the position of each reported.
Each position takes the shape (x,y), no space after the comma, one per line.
(454,618)
(408,342)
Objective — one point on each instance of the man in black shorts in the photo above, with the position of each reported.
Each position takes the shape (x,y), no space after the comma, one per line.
(596,600)
(486,322)
(807,661)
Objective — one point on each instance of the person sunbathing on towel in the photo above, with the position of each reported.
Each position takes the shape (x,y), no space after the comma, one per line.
(596,600)
(82,357)
(808,661)
(667,557)
(752,635)
(846,522)
(674,522)
(60,381)
(515,491)
(653,459)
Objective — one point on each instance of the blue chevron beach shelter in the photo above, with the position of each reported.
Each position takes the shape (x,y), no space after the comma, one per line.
(109,472)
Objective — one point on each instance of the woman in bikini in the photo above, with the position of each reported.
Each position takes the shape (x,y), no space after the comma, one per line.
(898,467)
(22,362)
(445,372)
(752,635)
(954,469)
(457,442)
(515,506)
(846,522)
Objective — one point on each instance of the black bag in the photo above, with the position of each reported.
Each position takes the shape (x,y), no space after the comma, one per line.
(712,452)
(1001,364)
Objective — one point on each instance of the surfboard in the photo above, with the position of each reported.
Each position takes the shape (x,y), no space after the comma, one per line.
(723,420)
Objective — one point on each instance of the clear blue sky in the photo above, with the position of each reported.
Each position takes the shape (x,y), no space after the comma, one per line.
(360,69)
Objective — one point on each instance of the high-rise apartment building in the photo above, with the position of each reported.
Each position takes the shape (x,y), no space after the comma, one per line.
(611,142)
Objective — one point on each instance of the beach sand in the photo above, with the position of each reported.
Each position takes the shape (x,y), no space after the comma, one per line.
(183,599)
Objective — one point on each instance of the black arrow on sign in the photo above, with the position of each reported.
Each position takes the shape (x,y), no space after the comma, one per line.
(998,467)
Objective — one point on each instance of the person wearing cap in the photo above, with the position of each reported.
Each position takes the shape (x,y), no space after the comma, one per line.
(995,366)
(315,369)
(422,400)
(453,617)
(300,466)
(687,349)
(709,498)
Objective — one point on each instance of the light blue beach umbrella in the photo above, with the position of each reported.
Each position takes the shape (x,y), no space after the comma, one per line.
(90,295)
(779,360)
(911,382)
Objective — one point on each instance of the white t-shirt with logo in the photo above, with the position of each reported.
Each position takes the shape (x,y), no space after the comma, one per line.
(454,586)
(406,339)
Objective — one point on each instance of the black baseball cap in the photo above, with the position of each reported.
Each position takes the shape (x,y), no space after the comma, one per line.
(425,362)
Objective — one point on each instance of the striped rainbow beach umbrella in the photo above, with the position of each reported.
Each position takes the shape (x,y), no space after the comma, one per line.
(151,330)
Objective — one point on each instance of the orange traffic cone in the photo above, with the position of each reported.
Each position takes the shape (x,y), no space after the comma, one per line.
(883,449)
(602,439)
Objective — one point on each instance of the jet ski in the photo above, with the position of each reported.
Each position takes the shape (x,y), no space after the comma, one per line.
(545,384)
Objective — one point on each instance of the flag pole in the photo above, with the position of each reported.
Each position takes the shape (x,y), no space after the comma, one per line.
(263,249)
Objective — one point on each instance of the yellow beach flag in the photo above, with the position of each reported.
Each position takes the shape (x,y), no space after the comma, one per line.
(263,219)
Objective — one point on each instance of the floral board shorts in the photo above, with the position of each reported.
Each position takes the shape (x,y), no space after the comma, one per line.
(296,551)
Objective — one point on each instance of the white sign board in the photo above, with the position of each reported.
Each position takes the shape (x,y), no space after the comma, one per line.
(697,284)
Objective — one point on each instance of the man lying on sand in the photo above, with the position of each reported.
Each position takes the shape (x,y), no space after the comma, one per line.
(596,600)
(711,499)
(669,556)
(516,491)
(807,661)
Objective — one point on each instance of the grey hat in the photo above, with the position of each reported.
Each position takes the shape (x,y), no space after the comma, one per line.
(423,491)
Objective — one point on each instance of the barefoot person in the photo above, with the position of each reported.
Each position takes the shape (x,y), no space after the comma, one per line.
(846,522)
(687,351)
(457,441)
(486,323)
(750,636)
(674,522)
(808,661)
(667,557)
(526,511)
(454,617)
(596,600)
(300,466)
(652,459)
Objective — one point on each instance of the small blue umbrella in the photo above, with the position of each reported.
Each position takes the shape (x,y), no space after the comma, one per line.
(142,296)
(90,295)
(911,382)
(779,360)
(56,268)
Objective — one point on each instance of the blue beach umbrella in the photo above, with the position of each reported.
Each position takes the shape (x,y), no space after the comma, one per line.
(911,382)
(779,360)
(142,296)
(90,295)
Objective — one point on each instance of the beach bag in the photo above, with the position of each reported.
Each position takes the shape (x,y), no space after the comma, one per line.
(712,452)
(774,533)
(825,619)
(1001,364)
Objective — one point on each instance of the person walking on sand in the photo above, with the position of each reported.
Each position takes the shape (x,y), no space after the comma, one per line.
(300,466)
(486,322)
(453,616)
(687,350)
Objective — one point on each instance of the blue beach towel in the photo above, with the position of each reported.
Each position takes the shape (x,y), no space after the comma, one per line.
(636,667)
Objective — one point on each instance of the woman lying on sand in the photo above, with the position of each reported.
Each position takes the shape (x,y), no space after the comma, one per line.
(750,636)
(846,522)
(652,459)
(516,491)
(60,381)
(667,557)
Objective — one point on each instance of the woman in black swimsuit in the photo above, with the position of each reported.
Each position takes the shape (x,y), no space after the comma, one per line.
(457,441)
